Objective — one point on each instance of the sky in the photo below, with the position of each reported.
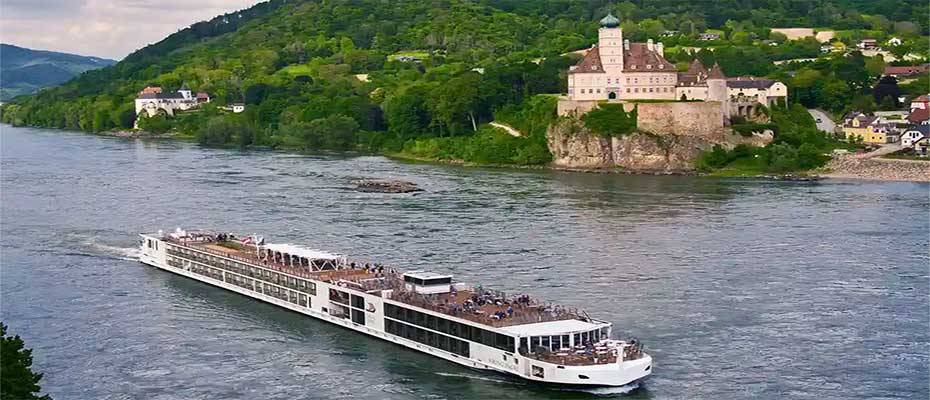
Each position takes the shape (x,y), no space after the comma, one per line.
(102,28)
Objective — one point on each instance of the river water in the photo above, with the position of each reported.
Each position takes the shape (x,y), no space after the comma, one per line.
(739,288)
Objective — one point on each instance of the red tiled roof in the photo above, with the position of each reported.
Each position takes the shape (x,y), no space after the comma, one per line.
(695,76)
(637,59)
(696,67)
(922,98)
(918,115)
(640,59)
(907,70)
(590,63)
(749,82)
(716,72)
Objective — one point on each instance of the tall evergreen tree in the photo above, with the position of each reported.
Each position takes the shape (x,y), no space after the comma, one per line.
(17,381)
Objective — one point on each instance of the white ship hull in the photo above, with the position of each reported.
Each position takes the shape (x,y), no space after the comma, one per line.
(479,357)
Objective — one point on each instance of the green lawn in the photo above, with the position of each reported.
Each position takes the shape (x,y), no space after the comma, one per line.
(296,70)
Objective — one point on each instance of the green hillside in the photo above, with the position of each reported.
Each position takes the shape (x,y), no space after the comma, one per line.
(295,65)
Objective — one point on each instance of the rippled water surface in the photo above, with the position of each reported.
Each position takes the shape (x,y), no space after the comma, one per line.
(739,288)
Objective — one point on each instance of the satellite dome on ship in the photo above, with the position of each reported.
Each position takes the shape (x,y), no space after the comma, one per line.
(610,21)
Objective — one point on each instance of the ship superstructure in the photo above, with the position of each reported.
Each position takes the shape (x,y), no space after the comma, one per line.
(425,311)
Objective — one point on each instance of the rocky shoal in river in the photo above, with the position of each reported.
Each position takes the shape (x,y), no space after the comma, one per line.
(886,169)
(386,186)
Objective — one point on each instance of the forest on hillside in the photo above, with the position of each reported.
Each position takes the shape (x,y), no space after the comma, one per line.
(325,74)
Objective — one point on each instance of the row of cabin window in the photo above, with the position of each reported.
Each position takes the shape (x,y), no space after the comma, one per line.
(464,331)
(247,283)
(254,272)
(428,338)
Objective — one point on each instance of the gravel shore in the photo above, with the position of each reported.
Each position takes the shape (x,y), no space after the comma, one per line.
(886,169)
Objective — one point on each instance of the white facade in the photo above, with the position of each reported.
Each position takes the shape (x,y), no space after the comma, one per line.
(616,69)
(762,95)
(168,103)
(910,137)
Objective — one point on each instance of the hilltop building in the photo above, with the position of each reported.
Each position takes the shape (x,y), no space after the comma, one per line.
(616,70)
(867,44)
(921,102)
(153,100)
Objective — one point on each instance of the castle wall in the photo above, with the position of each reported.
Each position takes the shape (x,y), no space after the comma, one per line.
(696,118)
(568,106)
(691,92)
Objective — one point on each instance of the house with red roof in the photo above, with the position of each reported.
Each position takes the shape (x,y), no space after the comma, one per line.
(919,116)
(920,102)
(907,70)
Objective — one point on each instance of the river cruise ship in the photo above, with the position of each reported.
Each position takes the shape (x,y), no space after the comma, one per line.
(424,311)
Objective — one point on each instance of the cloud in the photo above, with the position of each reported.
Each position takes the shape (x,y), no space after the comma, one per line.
(103,28)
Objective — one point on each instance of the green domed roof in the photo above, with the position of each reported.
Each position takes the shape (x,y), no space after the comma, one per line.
(610,21)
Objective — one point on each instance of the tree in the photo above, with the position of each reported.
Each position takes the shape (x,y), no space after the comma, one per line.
(875,66)
(127,118)
(456,101)
(17,381)
(863,103)
(906,28)
(778,37)
(886,92)
(740,38)
(406,112)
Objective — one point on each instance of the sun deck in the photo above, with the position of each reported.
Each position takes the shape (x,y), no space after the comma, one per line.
(479,305)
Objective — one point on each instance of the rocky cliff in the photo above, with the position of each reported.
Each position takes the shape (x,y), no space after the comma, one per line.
(574,146)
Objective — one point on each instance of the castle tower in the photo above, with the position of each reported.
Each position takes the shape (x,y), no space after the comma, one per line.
(610,44)
(717,88)
(185,91)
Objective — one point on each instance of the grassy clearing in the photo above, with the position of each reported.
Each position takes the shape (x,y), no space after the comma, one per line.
(421,54)
(296,70)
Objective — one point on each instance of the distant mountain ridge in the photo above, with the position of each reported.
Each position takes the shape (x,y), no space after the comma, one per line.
(24,71)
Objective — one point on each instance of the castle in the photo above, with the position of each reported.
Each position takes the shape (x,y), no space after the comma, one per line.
(617,70)
(152,101)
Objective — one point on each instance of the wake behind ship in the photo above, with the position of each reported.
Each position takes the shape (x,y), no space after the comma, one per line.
(424,311)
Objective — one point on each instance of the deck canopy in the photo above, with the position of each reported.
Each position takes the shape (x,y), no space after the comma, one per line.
(290,254)
(553,327)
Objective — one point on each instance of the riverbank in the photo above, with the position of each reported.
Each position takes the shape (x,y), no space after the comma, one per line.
(847,167)
(884,169)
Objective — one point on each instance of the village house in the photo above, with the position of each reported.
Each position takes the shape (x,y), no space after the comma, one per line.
(867,44)
(153,100)
(912,135)
(235,108)
(615,70)
(907,70)
(894,41)
(868,128)
(921,102)
(919,116)
(922,147)
(709,36)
